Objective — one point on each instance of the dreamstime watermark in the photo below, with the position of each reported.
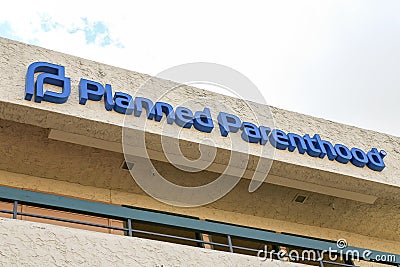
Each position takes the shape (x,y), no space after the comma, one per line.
(339,253)
(141,137)
(341,243)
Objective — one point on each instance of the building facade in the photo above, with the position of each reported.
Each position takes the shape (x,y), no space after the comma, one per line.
(70,157)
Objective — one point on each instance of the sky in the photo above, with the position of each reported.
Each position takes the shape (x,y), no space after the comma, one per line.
(337,60)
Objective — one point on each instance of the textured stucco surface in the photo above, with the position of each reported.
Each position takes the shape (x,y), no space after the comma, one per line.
(93,120)
(367,228)
(33,161)
(34,244)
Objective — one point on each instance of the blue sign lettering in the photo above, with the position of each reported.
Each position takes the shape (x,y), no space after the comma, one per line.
(184,117)
(202,121)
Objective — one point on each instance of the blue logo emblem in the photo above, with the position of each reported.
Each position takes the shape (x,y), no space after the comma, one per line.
(49,74)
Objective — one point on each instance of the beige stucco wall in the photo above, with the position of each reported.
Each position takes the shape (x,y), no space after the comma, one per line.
(32,161)
(34,244)
(370,239)
(94,121)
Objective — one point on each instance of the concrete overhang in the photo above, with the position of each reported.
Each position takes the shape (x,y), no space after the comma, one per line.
(91,125)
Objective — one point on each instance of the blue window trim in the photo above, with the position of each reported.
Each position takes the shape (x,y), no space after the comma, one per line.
(109,210)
